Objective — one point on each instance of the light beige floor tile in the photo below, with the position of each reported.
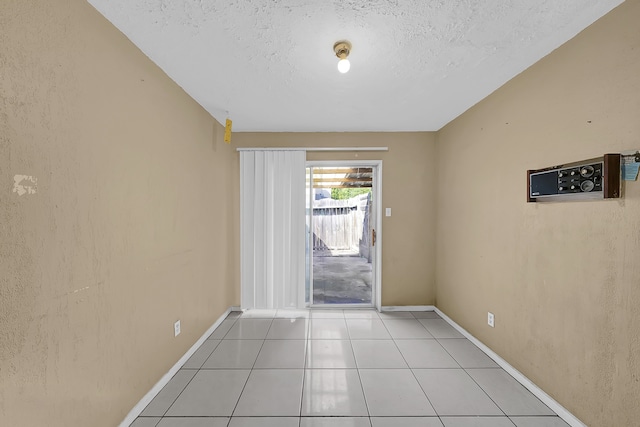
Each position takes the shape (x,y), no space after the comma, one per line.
(163,400)
(405,422)
(507,393)
(288,329)
(201,354)
(194,422)
(268,392)
(467,354)
(367,329)
(256,313)
(328,329)
(264,422)
(333,392)
(326,314)
(425,354)
(146,422)
(425,315)
(330,354)
(249,329)
(222,329)
(211,393)
(539,422)
(371,354)
(440,328)
(393,393)
(395,315)
(476,422)
(293,314)
(282,354)
(335,422)
(234,354)
(361,314)
(406,329)
(453,392)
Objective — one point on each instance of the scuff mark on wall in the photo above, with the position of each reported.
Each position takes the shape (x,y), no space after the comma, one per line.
(25,184)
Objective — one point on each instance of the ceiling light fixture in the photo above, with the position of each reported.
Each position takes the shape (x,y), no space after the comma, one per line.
(342,50)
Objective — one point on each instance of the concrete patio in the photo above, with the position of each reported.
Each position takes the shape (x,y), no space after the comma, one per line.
(342,279)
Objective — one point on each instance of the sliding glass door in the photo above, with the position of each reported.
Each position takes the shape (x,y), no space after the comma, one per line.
(341,234)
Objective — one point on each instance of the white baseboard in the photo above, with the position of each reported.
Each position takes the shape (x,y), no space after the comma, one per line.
(137,410)
(408,308)
(562,412)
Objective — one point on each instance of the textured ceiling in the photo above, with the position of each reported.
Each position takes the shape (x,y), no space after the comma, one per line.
(415,64)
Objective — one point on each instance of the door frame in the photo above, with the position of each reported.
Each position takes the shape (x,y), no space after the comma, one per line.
(376,289)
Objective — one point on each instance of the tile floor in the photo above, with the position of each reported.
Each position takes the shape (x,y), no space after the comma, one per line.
(342,368)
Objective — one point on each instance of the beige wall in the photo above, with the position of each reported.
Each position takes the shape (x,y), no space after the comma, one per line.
(563,279)
(130,229)
(135,219)
(408,188)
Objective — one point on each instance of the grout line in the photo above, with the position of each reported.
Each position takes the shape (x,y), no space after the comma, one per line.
(250,372)
(304,365)
(355,361)
(208,357)
(450,355)
(465,371)
(547,400)
(308,341)
(164,380)
(411,369)
(197,371)
(233,322)
(485,392)
(179,394)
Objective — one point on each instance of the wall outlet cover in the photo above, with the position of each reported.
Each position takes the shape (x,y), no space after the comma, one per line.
(176,329)
(491,320)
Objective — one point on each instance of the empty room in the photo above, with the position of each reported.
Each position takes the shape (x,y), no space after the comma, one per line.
(319,213)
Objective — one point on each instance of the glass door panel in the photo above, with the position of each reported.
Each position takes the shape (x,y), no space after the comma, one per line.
(340,255)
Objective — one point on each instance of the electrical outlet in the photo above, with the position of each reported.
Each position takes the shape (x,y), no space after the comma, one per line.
(176,329)
(491,320)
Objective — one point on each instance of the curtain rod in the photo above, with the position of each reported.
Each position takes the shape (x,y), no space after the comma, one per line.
(315,149)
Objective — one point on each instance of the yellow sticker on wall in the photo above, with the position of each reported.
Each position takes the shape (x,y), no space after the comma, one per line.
(227,131)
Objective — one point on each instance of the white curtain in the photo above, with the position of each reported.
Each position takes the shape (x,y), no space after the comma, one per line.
(272,229)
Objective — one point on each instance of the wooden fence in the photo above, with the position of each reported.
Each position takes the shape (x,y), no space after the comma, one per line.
(342,225)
